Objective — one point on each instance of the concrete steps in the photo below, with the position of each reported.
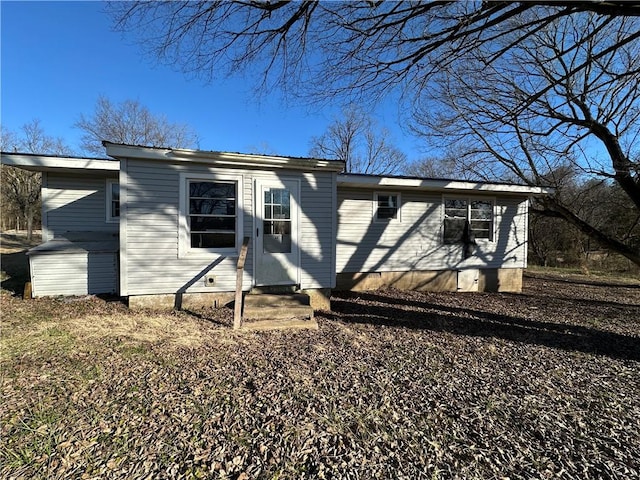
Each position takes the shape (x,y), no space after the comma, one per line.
(275,311)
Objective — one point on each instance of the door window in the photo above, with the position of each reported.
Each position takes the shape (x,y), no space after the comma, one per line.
(277,221)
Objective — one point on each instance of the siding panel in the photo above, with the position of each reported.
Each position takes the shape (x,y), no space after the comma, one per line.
(414,243)
(80,273)
(75,203)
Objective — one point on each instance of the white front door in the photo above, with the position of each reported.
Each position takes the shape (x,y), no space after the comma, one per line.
(277,255)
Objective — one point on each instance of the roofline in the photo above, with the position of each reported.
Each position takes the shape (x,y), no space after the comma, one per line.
(222,159)
(48,163)
(434,184)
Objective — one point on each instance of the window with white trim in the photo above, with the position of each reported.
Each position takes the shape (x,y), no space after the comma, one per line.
(387,206)
(113,201)
(477,212)
(210,214)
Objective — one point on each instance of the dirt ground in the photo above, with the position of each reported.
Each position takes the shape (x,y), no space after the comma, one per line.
(543,384)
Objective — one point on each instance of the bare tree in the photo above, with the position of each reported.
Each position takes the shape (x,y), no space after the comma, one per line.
(563,102)
(519,88)
(360,143)
(131,123)
(21,188)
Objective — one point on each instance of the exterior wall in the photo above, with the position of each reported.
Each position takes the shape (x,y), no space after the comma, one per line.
(150,260)
(74,273)
(415,242)
(74,203)
(410,253)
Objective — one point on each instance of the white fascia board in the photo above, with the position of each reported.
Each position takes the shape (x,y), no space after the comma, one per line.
(43,163)
(373,181)
(221,159)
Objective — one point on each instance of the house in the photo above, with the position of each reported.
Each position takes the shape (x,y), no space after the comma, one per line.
(164,227)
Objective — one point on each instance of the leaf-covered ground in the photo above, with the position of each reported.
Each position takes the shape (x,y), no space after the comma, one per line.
(543,384)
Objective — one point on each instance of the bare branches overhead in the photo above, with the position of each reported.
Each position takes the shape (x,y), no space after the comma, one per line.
(320,49)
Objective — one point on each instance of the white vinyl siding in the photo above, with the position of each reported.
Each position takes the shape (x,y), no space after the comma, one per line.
(416,243)
(73,273)
(74,203)
(150,234)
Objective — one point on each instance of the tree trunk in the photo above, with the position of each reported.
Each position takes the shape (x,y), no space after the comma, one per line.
(29,226)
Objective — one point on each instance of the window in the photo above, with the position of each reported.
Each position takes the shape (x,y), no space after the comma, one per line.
(113,201)
(276,224)
(387,206)
(212,214)
(209,214)
(459,211)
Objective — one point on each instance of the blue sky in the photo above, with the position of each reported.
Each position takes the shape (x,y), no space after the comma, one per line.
(58,57)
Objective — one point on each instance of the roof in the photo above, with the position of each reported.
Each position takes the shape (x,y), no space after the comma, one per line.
(228,159)
(357,180)
(107,244)
(220,159)
(46,163)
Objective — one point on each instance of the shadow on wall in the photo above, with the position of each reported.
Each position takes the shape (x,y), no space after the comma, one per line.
(412,255)
(383,309)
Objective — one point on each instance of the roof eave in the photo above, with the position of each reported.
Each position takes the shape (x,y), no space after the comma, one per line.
(359,181)
(46,163)
(220,159)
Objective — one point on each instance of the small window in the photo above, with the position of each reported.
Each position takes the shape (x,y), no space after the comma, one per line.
(459,211)
(113,201)
(387,206)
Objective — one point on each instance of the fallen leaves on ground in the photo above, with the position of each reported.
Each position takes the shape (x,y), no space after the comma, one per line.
(543,384)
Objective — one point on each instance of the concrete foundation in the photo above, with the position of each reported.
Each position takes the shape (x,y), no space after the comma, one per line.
(500,280)
(489,280)
(180,301)
(320,299)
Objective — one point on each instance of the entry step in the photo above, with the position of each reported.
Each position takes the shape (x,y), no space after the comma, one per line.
(283,323)
(277,307)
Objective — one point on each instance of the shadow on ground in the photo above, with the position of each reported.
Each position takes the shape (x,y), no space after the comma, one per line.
(15,272)
(379,308)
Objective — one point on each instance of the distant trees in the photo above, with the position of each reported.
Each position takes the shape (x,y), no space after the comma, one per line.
(360,143)
(21,188)
(555,242)
(127,122)
(131,123)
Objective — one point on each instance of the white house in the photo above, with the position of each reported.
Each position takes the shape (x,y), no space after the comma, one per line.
(156,224)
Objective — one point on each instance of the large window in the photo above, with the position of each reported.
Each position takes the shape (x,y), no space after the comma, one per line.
(459,211)
(113,201)
(387,206)
(210,214)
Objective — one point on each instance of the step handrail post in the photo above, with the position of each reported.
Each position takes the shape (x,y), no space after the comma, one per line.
(237,311)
